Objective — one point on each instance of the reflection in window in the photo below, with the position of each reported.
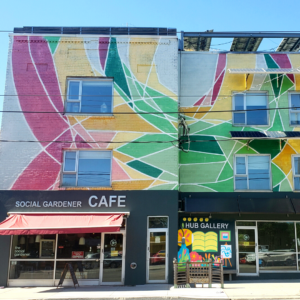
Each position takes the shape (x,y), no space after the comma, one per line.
(82,269)
(31,269)
(79,246)
(158,222)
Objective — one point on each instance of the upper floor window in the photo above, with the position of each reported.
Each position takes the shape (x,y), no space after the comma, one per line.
(294,99)
(87,168)
(255,106)
(296,172)
(90,95)
(252,172)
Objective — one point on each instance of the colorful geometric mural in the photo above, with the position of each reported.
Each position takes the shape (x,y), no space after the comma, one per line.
(208,166)
(144,71)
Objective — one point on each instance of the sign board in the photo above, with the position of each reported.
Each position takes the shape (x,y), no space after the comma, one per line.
(77,254)
(47,248)
(67,267)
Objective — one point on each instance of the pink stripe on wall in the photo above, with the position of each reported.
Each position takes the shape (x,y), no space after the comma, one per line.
(103,47)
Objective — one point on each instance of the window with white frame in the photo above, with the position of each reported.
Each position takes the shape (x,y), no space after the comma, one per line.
(251,108)
(294,99)
(90,95)
(87,168)
(252,172)
(296,172)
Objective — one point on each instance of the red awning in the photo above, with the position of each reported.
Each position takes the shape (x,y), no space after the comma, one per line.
(60,223)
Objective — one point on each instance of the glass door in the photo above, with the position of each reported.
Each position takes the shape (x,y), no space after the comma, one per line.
(157,255)
(247,251)
(112,265)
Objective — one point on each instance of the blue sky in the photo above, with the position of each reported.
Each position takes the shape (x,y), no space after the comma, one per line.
(189,15)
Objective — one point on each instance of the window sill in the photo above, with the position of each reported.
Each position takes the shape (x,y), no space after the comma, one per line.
(102,188)
(98,116)
(261,191)
(251,126)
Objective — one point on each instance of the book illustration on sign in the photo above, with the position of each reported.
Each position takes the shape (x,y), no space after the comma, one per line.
(205,242)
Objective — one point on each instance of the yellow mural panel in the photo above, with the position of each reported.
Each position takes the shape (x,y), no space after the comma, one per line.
(158,182)
(71,60)
(125,136)
(231,83)
(284,159)
(118,100)
(141,57)
(131,185)
(290,178)
(295,61)
(122,157)
(72,120)
(132,122)
(295,143)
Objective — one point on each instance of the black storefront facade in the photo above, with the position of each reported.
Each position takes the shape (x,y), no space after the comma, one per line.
(140,252)
(256,234)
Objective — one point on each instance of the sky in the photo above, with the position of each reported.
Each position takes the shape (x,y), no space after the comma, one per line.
(188,15)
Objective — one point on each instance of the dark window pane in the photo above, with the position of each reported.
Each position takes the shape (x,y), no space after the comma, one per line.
(82,269)
(297,183)
(239,118)
(240,165)
(158,222)
(297,165)
(245,223)
(113,246)
(258,172)
(295,101)
(239,102)
(70,161)
(85,245)
(240,183)
(69,180)
(247,262)
(276,236)
(31,270)
(277,261)
(295,119)
(74,90)
(28,246)
(96,96)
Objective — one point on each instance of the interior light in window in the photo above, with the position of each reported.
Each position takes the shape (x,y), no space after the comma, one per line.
(38,238)
(82,241)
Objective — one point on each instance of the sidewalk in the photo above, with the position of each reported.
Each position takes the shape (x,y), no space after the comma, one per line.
(280,289)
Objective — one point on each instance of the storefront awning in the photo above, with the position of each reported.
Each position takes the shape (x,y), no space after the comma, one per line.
(266,205)
(24,224)
(211,205)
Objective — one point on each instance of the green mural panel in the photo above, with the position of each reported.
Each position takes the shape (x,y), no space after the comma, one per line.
(221,130)
(160,122)
(145,168)
(245,150)
(227,146)
(52,42)
(270,62)
(285,186)
(277,174)
(127,72)
(167,104)
(197,127)
(168,177)
(114,67)
(196,157)
(169,186)
(235,149)
(166,160)
(272,113)
(227,172)
(277,126)
(267,86)
(286,84)
(284,113)
(267,147)
(134,92)
(200,173)
(276,188)
(209,147)
(194,188)
(143,106)
(141,91)
(276,81)
(223,186)
(152,103)
(121,93)
(139,150)
(153,93)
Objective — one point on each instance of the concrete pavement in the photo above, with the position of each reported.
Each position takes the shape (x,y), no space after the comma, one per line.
(281,289)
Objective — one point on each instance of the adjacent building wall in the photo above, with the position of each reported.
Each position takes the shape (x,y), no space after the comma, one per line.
(145,80)
(207,87)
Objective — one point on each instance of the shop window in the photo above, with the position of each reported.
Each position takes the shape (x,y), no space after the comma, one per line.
(90,95)
(256,105)
(252,172)
(87,168)
(79,246)
(294,103)
(276,246)
(33,246)
(158,222)
(31,269)
(296,172)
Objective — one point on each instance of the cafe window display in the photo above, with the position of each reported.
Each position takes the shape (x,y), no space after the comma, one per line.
(45,256)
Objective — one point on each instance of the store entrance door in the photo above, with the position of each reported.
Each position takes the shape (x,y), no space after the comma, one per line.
(112,259)
(247,258)
(157,256)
